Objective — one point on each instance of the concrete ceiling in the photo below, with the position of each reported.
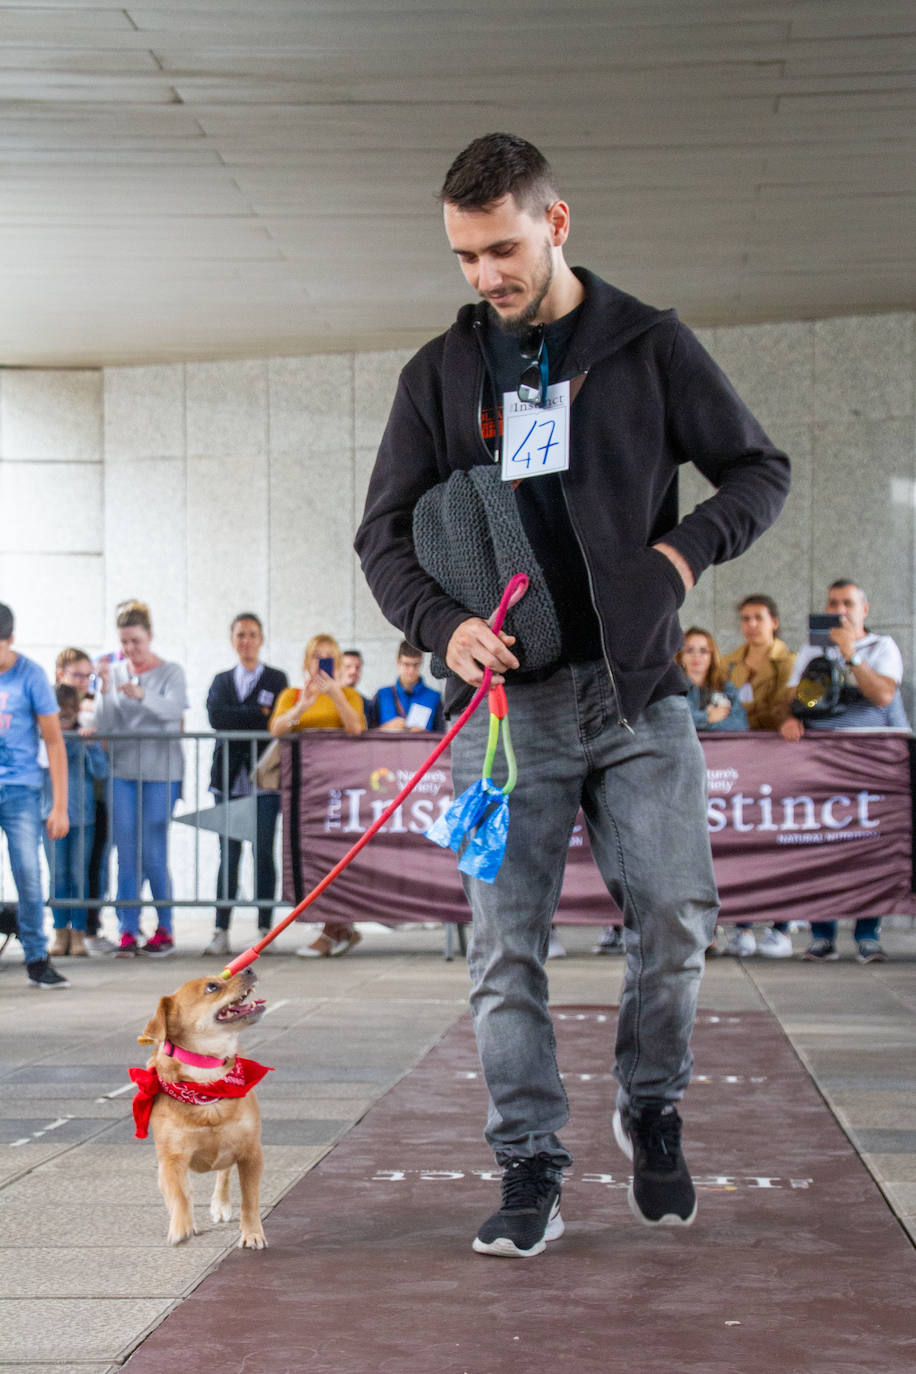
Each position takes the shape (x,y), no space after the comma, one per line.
(218,178)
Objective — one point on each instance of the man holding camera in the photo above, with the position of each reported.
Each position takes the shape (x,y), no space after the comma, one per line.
(874,670)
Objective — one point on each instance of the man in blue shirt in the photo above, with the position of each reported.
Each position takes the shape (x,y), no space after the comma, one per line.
(28,707)
(409,704)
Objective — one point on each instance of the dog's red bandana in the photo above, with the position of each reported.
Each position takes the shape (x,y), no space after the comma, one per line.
(240,1080)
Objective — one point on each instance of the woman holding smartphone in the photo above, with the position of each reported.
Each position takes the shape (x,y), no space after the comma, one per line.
(142,692)
(713,700)
(321,703)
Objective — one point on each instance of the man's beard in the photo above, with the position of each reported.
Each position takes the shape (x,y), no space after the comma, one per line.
(517,324)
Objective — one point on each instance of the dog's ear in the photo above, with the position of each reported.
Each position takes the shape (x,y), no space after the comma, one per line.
(156,1028)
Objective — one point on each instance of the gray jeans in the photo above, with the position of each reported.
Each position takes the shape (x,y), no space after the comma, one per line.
(644,799)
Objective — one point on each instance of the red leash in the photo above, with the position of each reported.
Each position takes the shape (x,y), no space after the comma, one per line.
(514,592)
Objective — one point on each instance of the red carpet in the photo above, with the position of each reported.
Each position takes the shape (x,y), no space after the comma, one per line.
(794,1263)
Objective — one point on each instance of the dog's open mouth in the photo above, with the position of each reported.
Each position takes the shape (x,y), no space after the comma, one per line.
(240,1008)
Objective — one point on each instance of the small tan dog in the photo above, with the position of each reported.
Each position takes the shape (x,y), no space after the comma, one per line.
(198,1093)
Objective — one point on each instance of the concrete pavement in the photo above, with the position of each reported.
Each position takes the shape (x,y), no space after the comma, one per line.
(86,1271)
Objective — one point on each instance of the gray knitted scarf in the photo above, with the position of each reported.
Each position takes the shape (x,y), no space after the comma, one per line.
(468,535)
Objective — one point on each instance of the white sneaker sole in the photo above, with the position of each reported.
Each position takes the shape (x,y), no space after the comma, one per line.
(504,1248)
(670,1218)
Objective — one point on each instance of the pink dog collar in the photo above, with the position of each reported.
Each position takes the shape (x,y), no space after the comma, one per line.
(197,1061)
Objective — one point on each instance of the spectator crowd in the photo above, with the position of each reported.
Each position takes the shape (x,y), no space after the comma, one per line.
(94,763)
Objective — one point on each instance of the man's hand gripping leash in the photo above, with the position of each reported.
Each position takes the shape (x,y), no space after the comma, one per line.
(514,592)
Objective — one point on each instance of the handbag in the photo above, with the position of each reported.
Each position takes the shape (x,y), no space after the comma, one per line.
(266,773)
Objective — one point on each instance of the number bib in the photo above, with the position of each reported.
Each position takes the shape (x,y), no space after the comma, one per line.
(535,438)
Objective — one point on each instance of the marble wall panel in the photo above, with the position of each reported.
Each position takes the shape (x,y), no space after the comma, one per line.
(51,507)
(312,569)
(146,546)
(862,519)
(311,406)
(286,653)
(205,656)
(905,635)
(779,563)
(369,623)
(144,412)
(863,367)
(53,415)
(226,409)
(228,548)
(772,368)
(699,606)
(375,382)
(56,599)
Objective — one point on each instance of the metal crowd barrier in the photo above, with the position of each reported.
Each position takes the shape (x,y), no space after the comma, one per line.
(193,883)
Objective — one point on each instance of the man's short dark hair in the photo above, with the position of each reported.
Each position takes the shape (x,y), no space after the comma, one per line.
(847,582)
(499,165)
(408,650)
(6,621)
(353,653)
(246,615)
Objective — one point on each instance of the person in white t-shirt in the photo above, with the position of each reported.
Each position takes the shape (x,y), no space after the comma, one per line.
(873,665)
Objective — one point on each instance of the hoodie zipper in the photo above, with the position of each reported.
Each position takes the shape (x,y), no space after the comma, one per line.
(484,374)
(621,718)
(494,458)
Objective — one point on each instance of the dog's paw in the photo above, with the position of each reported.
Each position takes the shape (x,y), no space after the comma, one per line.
(220,1211)
(252,1240)
(176,1236)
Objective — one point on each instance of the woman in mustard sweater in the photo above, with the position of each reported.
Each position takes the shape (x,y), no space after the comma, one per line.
(321,703)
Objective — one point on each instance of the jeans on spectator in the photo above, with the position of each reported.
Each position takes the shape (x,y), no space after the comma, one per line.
(20,818)
(68,860)
(265,871)
(140,833)
(865,928)
(644,798)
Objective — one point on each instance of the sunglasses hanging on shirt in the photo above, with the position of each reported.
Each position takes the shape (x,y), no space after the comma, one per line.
(532,385)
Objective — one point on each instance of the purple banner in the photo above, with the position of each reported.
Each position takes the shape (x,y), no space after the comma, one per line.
(806,831)
(813,830)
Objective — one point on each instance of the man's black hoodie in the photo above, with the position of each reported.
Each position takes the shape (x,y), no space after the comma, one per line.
(652,399)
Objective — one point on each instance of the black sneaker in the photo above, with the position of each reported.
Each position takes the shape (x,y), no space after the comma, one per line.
(42,975)
(530,1214)
(821,951)
(662,1192)
(869,951)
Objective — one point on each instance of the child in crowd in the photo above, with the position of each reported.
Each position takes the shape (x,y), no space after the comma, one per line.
(69,857)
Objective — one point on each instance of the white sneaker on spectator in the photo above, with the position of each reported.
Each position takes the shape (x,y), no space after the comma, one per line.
(98,945)
(611,941)
(741,944)
(555,949)
(218,945)
(775,944)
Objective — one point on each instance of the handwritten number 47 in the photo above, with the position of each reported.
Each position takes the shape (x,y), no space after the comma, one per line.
(550,442)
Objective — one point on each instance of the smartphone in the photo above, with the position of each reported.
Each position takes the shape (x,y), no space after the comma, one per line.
(819,627)
(326,665)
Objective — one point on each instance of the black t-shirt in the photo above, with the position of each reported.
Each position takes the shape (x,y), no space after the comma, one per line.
(541,501)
